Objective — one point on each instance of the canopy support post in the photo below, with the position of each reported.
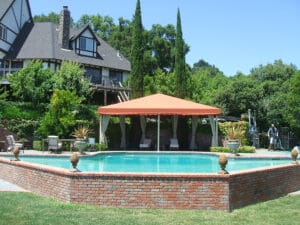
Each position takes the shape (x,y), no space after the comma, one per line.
(214,128)
(158,131)
(123,132)
(100,121)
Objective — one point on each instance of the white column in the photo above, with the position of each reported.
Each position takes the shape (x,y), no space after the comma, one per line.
(217,133)
(100,119)
(213,125)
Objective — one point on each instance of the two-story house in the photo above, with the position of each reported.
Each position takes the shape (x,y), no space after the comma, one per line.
(22,40)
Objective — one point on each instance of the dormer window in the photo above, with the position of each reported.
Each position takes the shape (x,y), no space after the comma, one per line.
(3,32)
(86,46)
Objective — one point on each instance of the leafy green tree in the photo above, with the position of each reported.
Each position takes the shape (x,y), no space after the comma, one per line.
(162,45)
(239,95)
(137,55)
(203,65)
(273,79)
(60,119)
(293,102)
(181,74)
(276,72)
(70,77)
(205,85)
(32,83)
(51,17)
(103,26)
(160,82)
(121,38)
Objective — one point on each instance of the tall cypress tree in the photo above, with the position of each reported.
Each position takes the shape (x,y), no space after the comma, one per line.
(137,52)
(137,72)
(181,82)
(180,73)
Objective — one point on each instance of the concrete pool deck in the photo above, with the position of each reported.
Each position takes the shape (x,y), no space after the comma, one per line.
(9,187)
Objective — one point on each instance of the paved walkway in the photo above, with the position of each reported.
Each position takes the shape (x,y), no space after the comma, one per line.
(6,186)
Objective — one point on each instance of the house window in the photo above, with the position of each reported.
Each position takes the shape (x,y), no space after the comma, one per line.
(87,47)
(3,32)
(116,76)
(86,44)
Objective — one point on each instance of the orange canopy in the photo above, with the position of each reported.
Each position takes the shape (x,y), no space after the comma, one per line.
(158,104)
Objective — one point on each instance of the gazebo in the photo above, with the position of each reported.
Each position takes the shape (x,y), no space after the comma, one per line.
(157,105)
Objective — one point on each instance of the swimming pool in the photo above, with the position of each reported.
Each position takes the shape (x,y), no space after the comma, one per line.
(155,162)
(112,187)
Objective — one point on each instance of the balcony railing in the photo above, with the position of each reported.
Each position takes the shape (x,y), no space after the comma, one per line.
(6,70)
(110,85)
(100,84)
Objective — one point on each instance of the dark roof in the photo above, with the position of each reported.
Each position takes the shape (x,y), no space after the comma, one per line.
(75,34)
(42,43)
(4,6)
(19,41)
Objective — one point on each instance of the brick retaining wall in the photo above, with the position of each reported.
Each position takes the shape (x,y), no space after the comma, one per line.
(129,190)
(253,186)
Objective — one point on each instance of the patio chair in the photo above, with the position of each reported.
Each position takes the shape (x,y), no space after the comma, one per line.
(53,143)
(91,143)
(12,143)
(174,143)
(145,144)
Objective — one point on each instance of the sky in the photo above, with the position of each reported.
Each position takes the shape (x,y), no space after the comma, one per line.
(233,35)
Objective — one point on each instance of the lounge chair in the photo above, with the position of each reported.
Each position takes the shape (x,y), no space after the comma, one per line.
(174,143)
(145,144)
(54,143)
(12,143)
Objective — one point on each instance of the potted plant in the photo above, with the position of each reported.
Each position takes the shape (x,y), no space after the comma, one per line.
(233,138)
(81,133)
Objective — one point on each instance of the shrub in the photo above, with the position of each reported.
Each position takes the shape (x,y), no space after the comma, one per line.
(100,147)
(246,149)
(220,149)
(22,127)
(240,127)
(37,145)
(60,119)
(241,149)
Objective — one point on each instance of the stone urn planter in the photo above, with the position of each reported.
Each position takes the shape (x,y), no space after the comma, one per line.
(81,145)
(74,159)
(294,155)
(233,137)
(233,145)
(81,134)
(16,152)
(223,162)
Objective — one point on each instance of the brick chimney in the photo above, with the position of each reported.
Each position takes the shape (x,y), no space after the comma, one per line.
(64,28)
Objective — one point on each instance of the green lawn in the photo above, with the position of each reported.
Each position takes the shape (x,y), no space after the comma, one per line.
(27,208)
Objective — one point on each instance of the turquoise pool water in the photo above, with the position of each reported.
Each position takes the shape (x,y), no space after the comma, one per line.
(155,162)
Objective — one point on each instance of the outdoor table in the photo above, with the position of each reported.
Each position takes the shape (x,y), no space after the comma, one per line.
(61,140)
(71,141)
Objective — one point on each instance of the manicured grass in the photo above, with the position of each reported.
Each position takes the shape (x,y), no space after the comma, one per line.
(27,208)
